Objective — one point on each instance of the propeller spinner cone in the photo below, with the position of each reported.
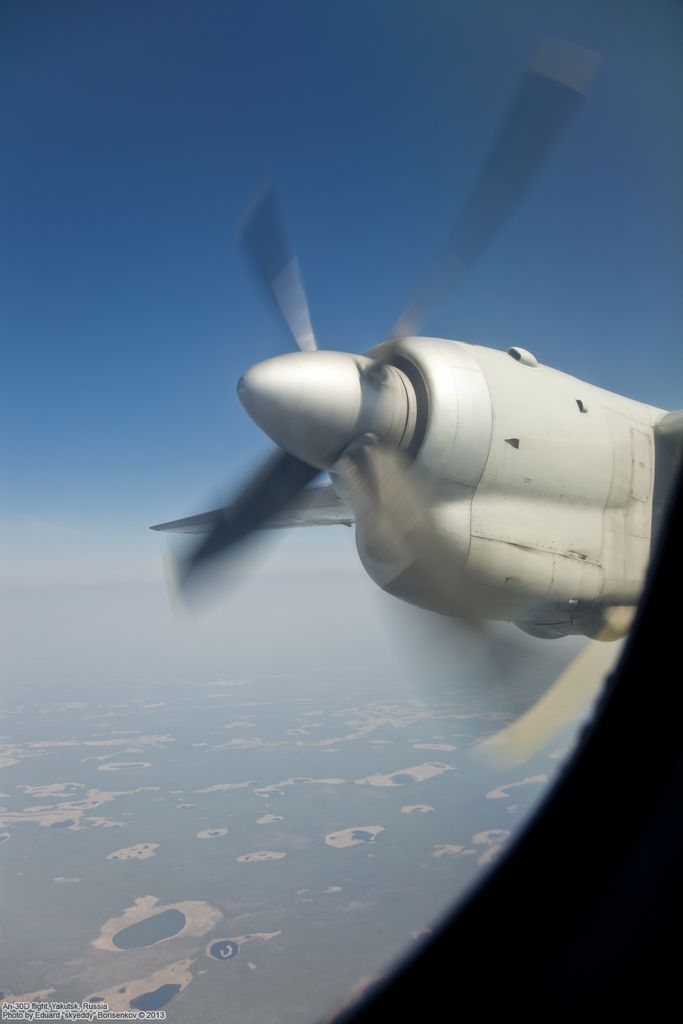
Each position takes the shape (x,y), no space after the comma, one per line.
(315,404)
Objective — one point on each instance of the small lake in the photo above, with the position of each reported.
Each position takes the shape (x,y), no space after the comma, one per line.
(156,999)
(150,930)
(224,949)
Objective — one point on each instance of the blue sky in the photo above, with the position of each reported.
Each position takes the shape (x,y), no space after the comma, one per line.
(133,135)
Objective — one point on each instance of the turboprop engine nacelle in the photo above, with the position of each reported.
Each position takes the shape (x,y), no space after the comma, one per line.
(537,490)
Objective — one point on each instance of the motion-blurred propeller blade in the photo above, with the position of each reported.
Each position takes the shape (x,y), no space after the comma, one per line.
(276,265)
(391,506)
(280,479)
(565,702)
(547,96)
(392,517)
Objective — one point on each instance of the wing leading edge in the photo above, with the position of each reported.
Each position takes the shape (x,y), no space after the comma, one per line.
(318,506)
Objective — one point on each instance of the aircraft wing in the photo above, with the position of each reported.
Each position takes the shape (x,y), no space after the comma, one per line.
(317,506)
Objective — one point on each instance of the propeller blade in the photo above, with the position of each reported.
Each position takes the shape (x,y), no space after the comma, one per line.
(391,505)
(279,480)
(546,98)
(565,702)
(276,265)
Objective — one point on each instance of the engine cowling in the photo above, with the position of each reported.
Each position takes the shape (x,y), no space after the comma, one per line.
(537,490)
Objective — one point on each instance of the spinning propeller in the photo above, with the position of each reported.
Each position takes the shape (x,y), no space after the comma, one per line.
(354,415)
